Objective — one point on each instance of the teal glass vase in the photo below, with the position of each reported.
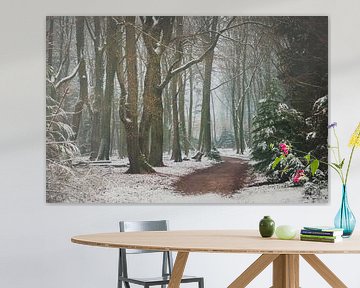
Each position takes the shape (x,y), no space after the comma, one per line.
(345,219)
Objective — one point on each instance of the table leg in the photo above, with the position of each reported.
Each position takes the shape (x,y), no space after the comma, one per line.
(178,270)
(324,271)
(286,271)
(253,270)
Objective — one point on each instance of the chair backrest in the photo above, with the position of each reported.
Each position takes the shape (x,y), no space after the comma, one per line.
(134,226)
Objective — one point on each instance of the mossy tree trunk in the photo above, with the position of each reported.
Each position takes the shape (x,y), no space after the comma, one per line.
(128,110)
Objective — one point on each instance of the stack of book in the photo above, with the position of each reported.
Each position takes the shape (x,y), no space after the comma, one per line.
(321,234)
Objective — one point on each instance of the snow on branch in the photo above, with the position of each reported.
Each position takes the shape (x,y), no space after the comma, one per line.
(67,78)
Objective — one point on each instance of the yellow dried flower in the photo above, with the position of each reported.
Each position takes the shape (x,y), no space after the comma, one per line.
(355,138)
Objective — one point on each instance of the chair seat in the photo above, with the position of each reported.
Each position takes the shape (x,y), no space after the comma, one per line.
(158,280)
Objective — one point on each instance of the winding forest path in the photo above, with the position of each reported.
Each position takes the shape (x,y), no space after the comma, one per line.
(224,178)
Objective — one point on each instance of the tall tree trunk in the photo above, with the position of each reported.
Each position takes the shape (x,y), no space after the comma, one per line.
(176,149)
(128,109)
(69,33)
(255,92)
(157,36)
(205,108)
(249,113)
(157,140)
(191,101)
(113,130)
(241,126)
(50,40)
(83,93)
(213,115)
(98,91)
(50,89)
(205,138)
(122,141)
(235,116)
(183,135)
(62,39)
(152,75)
(175,90)
(243,99)
(167,119)
(111,60)
(121,131)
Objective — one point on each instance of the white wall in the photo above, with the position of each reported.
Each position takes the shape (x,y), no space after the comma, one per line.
(35,248)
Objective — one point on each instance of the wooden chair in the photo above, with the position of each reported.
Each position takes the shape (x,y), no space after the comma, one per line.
(167,262)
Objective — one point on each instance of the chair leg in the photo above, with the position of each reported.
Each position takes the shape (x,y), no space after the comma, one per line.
(126,284)
(201,283)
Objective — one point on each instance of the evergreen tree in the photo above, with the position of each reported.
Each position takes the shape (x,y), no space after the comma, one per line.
(303,56)
(317,136)
(226,140)
(275,123)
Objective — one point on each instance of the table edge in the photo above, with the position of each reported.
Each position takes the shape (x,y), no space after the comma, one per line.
(205,250)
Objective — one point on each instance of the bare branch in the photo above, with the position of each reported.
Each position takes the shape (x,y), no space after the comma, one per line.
(66,92)
(171,73)
(227,81)
(250,82)
(66,57)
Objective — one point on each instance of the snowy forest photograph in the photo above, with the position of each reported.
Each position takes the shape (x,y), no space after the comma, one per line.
(187,109)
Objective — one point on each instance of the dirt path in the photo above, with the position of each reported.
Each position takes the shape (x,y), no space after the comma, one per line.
(223,178)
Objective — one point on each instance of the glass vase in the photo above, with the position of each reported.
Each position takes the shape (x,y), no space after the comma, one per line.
(345,219)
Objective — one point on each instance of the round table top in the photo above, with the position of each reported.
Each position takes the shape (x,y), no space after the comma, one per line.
(219,241)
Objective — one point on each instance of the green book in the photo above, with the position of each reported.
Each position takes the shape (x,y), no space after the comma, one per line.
(319,236)
(325,240)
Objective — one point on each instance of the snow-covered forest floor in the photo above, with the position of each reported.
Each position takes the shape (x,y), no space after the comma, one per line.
(107,184)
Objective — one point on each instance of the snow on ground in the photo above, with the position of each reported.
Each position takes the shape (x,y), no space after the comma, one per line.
(96,184)
(282,193)
(102,184)
(229,152)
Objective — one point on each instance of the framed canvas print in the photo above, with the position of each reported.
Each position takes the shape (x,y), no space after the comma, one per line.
(179,109)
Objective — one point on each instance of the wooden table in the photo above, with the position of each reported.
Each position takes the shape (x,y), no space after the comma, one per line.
(284,254)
